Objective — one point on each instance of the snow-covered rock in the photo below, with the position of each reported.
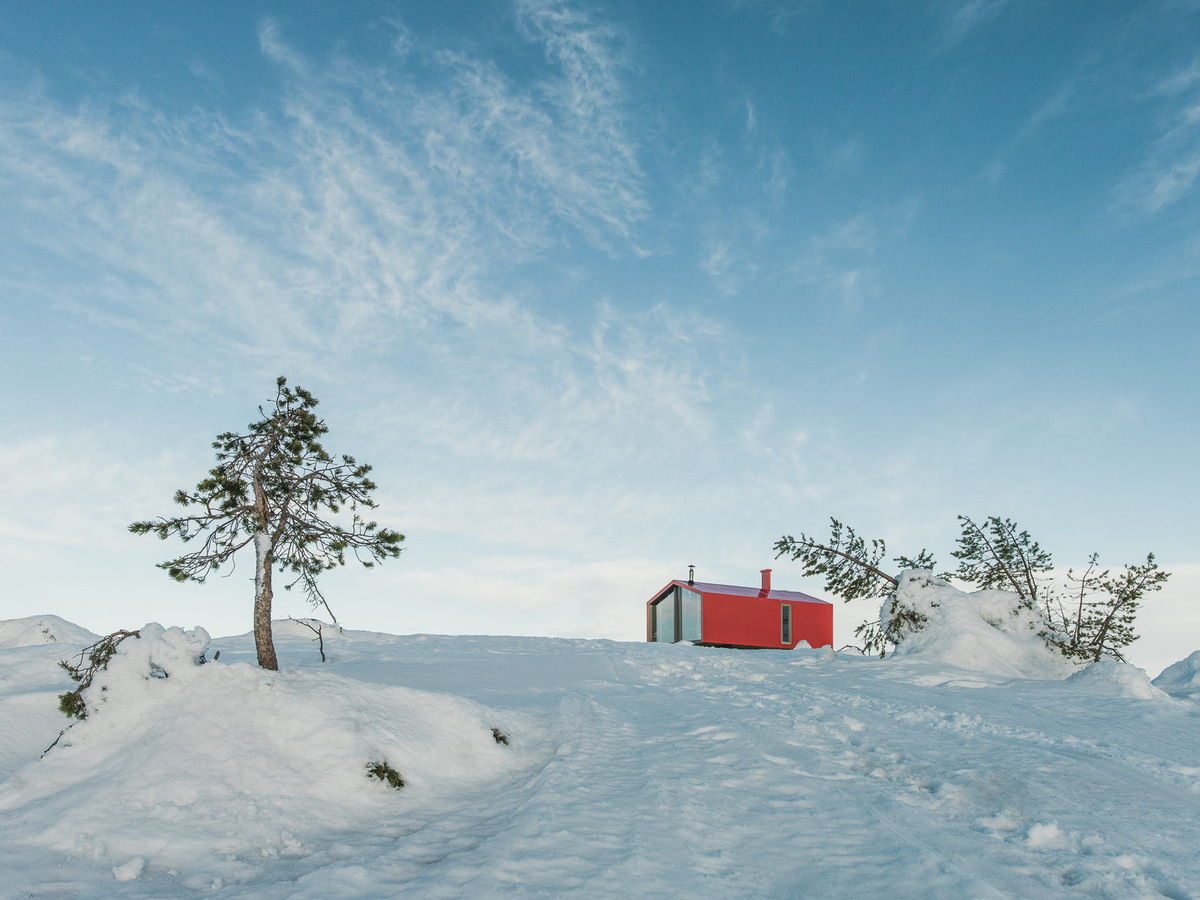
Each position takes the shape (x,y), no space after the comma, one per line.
(985,631)
(1181,679)
(33,630)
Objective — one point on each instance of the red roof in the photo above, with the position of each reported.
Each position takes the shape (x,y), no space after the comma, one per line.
(739,591)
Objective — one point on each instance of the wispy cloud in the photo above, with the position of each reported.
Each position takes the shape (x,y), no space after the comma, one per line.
(1057,104)
(375,222)
(1171,166)
(779,14)
(837,261)
(369,201)
(962,17)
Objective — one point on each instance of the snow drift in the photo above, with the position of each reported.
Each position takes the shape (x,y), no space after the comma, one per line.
(1181,679)
(219,762)
(1120,679)
(989,631)
(34,630)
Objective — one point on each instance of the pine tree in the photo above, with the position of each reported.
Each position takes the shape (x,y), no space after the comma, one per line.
(276,488)
(1095,620)
(1107,625)
(996,555)
(852,571)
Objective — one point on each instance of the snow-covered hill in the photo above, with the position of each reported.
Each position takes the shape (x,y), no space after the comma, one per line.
(631,770)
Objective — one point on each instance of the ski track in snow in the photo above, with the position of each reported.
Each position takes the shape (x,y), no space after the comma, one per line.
(664,771)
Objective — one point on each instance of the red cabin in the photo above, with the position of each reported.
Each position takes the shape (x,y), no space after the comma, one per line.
(725,615)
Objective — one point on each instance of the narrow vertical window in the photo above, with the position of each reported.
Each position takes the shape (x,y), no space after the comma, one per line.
(785,612)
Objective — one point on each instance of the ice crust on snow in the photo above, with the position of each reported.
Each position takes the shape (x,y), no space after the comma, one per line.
(634,769)
(984,631)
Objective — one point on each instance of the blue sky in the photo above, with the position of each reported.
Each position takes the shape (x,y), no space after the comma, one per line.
(601,290)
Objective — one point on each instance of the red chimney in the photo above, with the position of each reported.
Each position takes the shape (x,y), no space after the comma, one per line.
(766,581)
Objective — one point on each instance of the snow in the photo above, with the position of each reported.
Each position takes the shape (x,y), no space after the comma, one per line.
(987,632)
(262,551)
(631,769)
(1120,679)
(1181,679)
(34,630)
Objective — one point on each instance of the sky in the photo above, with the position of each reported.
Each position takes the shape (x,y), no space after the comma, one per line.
(601,290)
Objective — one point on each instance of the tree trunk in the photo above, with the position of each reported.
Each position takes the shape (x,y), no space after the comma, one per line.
(264,642)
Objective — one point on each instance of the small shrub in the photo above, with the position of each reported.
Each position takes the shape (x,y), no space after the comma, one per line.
(384,772)
(92,660)
(499,736)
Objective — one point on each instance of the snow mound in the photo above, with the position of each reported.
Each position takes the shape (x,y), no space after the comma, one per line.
(34,630)
(1129,680)
(985,631)
(196,765)
(1181,679)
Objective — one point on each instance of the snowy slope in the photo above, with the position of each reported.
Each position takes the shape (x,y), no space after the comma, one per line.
(33,630)
(633,770)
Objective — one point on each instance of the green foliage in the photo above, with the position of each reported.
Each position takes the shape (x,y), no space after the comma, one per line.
(386,773)
(996,555)
(923,560)
(1101,618)
(875,638)
(1095,620)
(275,487)
(92,660)
(72,705)
(850,569)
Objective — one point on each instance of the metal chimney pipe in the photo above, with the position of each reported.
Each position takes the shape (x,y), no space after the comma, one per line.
(766,581)
(691,574)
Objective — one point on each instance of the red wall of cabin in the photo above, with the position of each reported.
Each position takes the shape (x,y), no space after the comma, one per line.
(812,622)
(756,621)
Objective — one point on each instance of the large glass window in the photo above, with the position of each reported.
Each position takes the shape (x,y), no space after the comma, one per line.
(689,615)
(675,616)
(664,617)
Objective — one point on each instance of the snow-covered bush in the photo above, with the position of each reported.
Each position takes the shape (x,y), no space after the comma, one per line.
(991,630)
(1096,621)
(125,657)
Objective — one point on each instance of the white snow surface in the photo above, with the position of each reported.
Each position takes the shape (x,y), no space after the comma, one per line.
(644,770)
(1122,679)
(988,632)
(42,630)
(1181,679)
